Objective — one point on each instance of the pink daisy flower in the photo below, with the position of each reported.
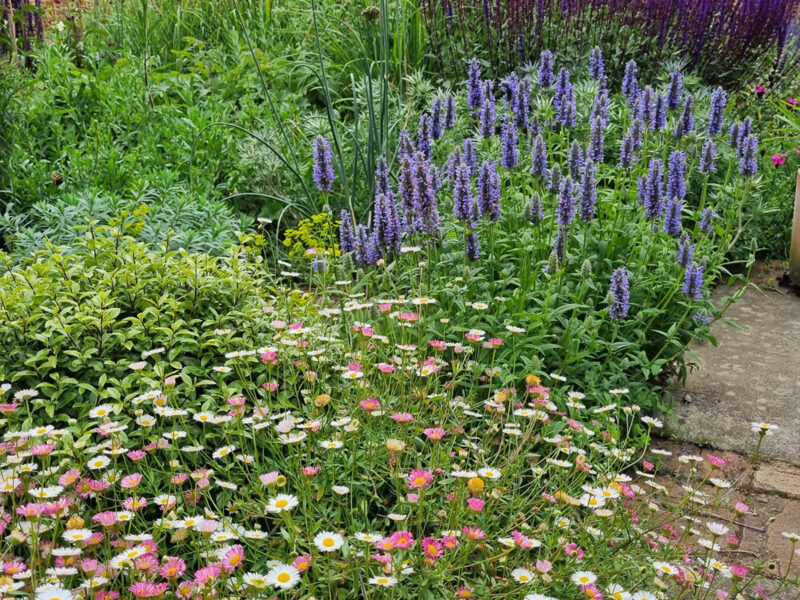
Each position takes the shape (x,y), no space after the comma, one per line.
(403,417)
(419,479)
(403,539)
(474,533)
(434,433)
(131,481)
(233,559)
(432,548)
(173,568)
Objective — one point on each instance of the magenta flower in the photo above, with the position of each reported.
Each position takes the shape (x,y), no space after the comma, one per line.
(476,504)
(370,404)
(739,571)
(778,159)
(474,533)
(434,433)
(233,559)
(207,574)
(419,479)
(173,568)
(403,417)
(131,481)
(450,542)
(432,547)
(302,563)
(403,539)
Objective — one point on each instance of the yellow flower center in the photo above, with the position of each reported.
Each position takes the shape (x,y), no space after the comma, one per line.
(284,577)
(281,503)
(328,542)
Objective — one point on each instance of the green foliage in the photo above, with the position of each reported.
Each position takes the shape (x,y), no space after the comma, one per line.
(769,216)
(170,218)
(318,232)
(74,318)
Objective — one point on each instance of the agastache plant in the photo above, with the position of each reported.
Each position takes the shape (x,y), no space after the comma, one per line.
(539,157)
(474,85)
(589,167)
(489,191)
(630,84)
(597,69)
(620,294)
(545,77)
(685,124)
(510,144)
(323,165)
(719,98)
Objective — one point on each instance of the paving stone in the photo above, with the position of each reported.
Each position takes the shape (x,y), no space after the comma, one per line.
(780,478)
(752,375)
(787,520)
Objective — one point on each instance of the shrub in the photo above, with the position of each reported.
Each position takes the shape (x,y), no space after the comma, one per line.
(75,318)
(171,218)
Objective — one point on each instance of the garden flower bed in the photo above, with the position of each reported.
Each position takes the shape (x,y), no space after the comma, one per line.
(332,327)
(329,448)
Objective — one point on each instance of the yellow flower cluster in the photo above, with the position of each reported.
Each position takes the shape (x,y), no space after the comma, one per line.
(319,232)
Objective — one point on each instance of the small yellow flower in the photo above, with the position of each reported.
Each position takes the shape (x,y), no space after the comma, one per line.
(475,485)
(533,380)
(75,522)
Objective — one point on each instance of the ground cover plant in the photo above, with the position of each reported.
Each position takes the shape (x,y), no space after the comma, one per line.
(291,445)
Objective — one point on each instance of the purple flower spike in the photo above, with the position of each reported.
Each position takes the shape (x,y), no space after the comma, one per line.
(323,165)
(620,294)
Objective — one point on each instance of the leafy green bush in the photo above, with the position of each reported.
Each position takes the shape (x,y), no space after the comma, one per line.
(73,319)
(770,216)
(171,218)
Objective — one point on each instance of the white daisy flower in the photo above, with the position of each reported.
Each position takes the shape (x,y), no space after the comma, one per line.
(328,541)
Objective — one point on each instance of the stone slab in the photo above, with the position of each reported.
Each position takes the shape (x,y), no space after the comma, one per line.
(779,478)
(752,375)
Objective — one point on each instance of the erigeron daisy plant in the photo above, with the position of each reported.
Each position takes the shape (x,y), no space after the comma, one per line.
(466,481)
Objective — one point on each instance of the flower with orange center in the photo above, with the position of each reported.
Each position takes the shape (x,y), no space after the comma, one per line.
(475,485)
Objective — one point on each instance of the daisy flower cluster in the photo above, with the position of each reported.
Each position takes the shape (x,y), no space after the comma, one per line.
(331,447)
